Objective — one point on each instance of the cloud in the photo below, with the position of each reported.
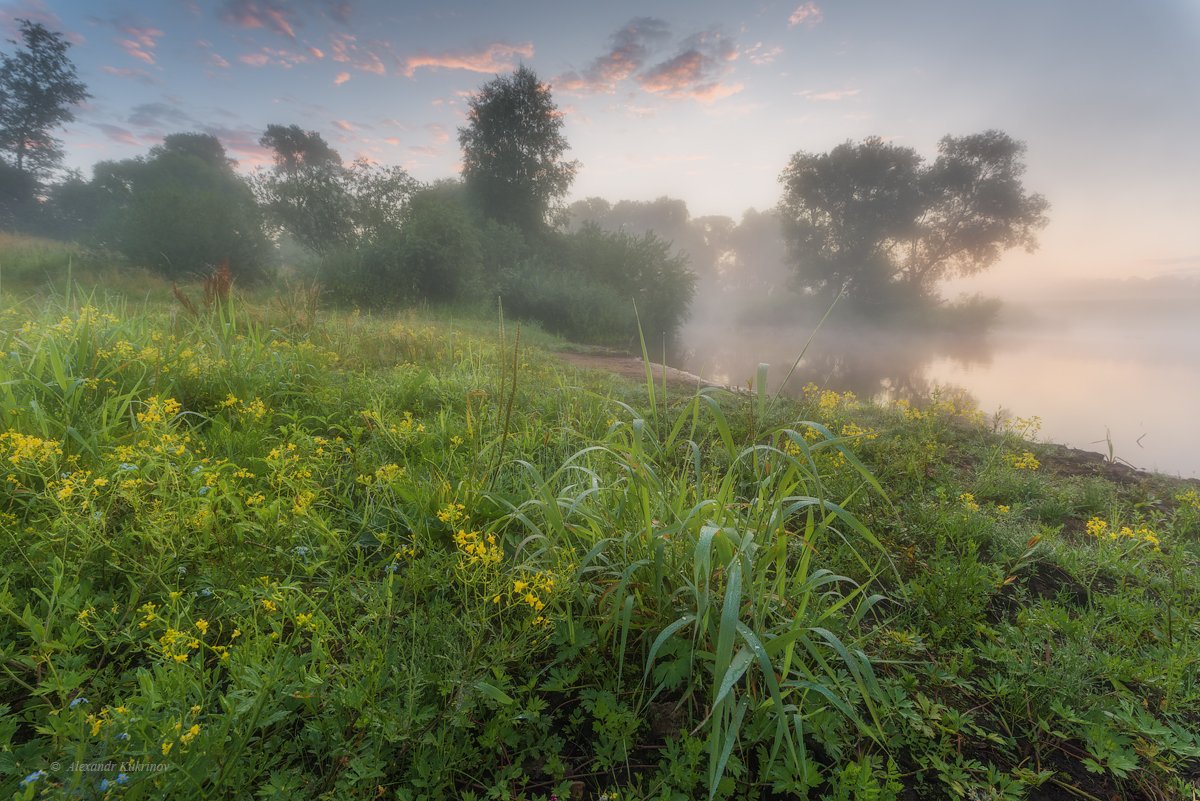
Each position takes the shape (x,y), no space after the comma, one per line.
(439,132)
(131,72)
(631,46)
(695,71)
(34,11)
(341,78)
(140,43)
(158,116)
(829,97)
(496,57)
(392,140)
(807,14)
(345,125)
(424,150)
(277,57)
(117,134)
(282,16)
(760,55)
(345,50)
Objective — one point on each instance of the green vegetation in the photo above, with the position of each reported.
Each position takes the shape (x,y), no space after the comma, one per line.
(262,549)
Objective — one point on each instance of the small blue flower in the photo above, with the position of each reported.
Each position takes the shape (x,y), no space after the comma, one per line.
(126,466)
(393,567)
(122,736)
(181,570)
(205,592)
(300,550)
(196,469)
(77,701)
(104,785)
(204,490)
(32,777)
(121,777)
(64,475)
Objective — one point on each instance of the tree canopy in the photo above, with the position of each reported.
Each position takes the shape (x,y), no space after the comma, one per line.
(875,219)
(321,202)
(513,149)
(39,89)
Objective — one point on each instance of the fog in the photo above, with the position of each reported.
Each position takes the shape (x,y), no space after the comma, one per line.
(1111,366)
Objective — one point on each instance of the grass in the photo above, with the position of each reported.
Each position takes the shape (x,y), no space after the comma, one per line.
(268,550)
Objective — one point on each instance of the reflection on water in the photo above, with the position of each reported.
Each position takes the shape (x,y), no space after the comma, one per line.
(1131,389)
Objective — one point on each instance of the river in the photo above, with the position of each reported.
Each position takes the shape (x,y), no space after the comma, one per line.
(1125,386)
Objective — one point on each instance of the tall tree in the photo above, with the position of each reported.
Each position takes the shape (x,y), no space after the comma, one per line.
(323,203)
(513,149)
(874,219)
(39,89)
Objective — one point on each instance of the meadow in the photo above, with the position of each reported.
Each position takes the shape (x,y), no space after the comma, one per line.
(259,547)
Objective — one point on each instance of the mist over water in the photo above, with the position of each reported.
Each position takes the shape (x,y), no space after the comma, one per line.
(1104,367)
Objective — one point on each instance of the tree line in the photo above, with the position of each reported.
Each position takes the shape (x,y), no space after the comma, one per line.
(870,221)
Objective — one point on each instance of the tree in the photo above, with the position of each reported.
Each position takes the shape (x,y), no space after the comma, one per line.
(874,219)
(181,210)
(38,90)
(513,149)
(321,202)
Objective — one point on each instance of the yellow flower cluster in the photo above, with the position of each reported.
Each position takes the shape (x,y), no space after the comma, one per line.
(1100,529)
(158,410)
(24,450)
(827,399)
(1189,499)
(382,477)
(254,408)
(1026,461)
(177,646)
(968,502)
(854,430)
(452,513)
(478,549)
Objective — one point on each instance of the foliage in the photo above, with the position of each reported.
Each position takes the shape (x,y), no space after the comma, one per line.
(871,218)
(513,150)
(181,210)
(38,89)
(324,204)
(592,285)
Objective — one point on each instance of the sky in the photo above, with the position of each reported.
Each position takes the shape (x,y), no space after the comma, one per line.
(704,101)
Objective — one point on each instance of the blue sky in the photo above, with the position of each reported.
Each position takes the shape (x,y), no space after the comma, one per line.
(700,100)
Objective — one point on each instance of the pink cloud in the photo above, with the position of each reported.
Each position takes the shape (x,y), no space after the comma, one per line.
(392,140)
(760,55)
(130,72)
(268,15)
(141,42)
(117,134)
(807,14)
(345,51)
(695,72)
(631,45)
(341,78)
(424,150)
(316,52)
(439,132)
(344,125)
(270,55)
(828,97)
(34,11)
(496,57)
